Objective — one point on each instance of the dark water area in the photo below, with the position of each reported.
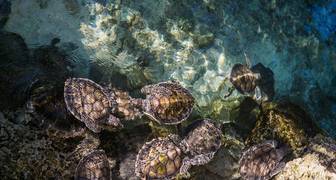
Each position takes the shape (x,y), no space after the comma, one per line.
(194,89)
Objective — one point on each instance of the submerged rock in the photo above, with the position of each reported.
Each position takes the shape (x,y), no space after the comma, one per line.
(285,122)
(30,154)
(224,164)
(318,162)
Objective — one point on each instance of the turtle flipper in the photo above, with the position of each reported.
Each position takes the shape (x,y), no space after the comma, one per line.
(201,159)
(259,95)
(91,124)
(186,165)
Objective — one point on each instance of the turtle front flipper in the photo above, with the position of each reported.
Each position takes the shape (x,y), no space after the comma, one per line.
(184,170)
(201,159)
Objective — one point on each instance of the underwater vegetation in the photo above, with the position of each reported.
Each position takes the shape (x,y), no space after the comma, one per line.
(194,89)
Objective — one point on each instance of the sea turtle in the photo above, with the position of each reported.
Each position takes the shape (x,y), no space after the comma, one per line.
(255,81)
(165,158)
(160,158)
(243,79)
(166,102)
(90,103)
(262,161)
(201,142)
(93,166)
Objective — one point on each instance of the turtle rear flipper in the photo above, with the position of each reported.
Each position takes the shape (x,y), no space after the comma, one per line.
(195,161)
(259,95)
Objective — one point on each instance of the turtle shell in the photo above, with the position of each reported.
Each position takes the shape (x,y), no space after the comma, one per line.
(262,161)
(87,101)
(202,138)
(158,159)
(93,166)
(168,102)
(243,79)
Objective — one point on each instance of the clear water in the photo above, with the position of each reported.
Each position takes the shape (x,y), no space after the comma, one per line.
(130,44)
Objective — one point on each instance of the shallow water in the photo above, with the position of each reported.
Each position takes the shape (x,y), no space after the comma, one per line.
(288,47)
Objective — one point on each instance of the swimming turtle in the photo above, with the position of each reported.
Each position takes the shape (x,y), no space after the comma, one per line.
(90,103)
(165,158)
(166,102)
(251,81)
(95,165)
(201,142)
(243,79)
(262,161)
(160,158)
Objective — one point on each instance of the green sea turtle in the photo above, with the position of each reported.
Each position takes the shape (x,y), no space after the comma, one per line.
(166,158)
(97,107)
(166,102)
(95,165)
(158,159)
(262,161)
(256,82)
(90,103)
(201,142)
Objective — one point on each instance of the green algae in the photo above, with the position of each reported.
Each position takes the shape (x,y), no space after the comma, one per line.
(285,122)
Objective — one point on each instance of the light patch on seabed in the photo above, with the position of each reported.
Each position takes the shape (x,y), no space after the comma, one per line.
(38,26)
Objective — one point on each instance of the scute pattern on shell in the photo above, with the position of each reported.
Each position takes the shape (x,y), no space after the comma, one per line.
(87,101)
(243,79)
(203,138)
(158,159)
(93,166)
(168,102)
(262,161)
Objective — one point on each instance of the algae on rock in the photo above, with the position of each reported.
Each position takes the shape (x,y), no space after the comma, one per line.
(316,163)
(285,122)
